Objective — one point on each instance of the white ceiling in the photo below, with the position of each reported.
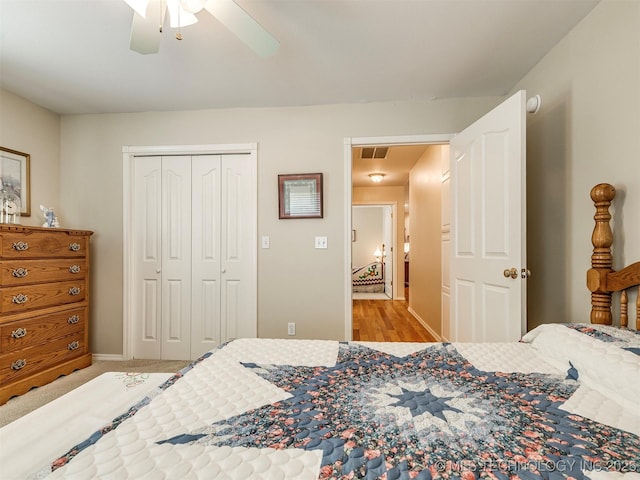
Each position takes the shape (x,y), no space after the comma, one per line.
(72,56)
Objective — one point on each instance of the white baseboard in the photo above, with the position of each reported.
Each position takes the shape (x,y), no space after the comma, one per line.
(425,325)
(108,357)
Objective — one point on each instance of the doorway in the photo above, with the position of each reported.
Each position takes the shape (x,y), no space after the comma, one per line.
(395,184)
(372,249)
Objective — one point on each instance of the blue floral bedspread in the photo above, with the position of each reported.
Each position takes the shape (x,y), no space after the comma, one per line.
(428,415)
(624,338)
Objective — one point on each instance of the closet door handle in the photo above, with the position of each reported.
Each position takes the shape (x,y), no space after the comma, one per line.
(224,270)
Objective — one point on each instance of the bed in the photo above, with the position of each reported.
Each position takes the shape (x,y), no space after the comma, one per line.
(368,278)
(561,403)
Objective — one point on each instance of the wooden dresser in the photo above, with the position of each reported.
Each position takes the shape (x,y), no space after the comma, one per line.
(44,306)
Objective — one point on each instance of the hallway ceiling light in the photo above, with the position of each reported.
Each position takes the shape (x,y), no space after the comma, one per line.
(376,177)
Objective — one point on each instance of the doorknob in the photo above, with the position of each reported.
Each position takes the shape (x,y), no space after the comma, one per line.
(224,270)
(513,273)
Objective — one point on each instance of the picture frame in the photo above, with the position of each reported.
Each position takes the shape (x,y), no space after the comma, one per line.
(300,195)
(15,176)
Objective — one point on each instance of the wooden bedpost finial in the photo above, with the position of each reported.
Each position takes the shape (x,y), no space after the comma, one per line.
(601,259)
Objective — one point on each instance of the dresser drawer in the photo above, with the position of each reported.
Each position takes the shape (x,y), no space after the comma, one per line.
(21,272)
(21,334)
(26,362)
(29,297)
(43,244)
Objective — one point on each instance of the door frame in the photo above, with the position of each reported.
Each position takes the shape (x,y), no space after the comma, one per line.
(349,143)
(128,156)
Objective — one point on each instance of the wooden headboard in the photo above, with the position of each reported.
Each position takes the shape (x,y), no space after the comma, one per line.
(602,280)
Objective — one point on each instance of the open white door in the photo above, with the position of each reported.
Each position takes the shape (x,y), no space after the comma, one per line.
(488,251)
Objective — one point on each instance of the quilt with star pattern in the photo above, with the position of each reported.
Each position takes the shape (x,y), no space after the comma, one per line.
(262,409)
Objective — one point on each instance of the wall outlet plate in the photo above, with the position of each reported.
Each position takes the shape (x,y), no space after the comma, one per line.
(321,242)
(291,328)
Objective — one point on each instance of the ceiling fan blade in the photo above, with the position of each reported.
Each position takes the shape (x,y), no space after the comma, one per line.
(231,15)
(145,31)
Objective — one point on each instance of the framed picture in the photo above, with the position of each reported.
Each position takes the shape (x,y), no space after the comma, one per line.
(300,195)
(14,177)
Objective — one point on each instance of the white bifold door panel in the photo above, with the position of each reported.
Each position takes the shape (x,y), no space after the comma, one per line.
(488,227)
(194,259)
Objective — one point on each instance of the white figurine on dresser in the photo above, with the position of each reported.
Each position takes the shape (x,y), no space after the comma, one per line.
(50,218)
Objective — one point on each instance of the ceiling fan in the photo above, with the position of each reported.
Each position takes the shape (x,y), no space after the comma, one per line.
(149,16)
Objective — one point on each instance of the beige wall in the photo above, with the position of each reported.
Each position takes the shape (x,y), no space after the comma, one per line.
(395,195)
(587,132)
(424,225)
(296,282)
(31,129)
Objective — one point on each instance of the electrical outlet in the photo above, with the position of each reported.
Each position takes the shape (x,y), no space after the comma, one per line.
(291,328)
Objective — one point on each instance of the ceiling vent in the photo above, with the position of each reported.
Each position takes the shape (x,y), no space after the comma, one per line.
(374,152)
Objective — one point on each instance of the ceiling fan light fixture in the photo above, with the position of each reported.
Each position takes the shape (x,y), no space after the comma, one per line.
(192,6)
(376,177)
(139,6)
(178,16)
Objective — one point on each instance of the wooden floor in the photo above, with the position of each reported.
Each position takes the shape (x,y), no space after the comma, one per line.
(386,321)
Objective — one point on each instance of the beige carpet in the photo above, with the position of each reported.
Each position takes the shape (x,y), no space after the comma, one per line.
(16,407)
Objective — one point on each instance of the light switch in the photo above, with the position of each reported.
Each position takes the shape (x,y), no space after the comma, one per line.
(321,242)
(265,241)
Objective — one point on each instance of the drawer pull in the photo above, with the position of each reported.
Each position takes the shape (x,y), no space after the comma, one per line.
(74,345)
(74,247)
(74,291)
(73,319)
(18,364)
(19,333)
(20,273)
(74,269)
(20,298)
(20,246)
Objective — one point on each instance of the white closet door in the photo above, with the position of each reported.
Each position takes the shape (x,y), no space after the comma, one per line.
(238,288)
(147,221)
(176,258)
(206,264)
(195,253)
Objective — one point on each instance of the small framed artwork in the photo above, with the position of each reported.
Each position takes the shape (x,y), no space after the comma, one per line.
(300,195)
(14,177)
